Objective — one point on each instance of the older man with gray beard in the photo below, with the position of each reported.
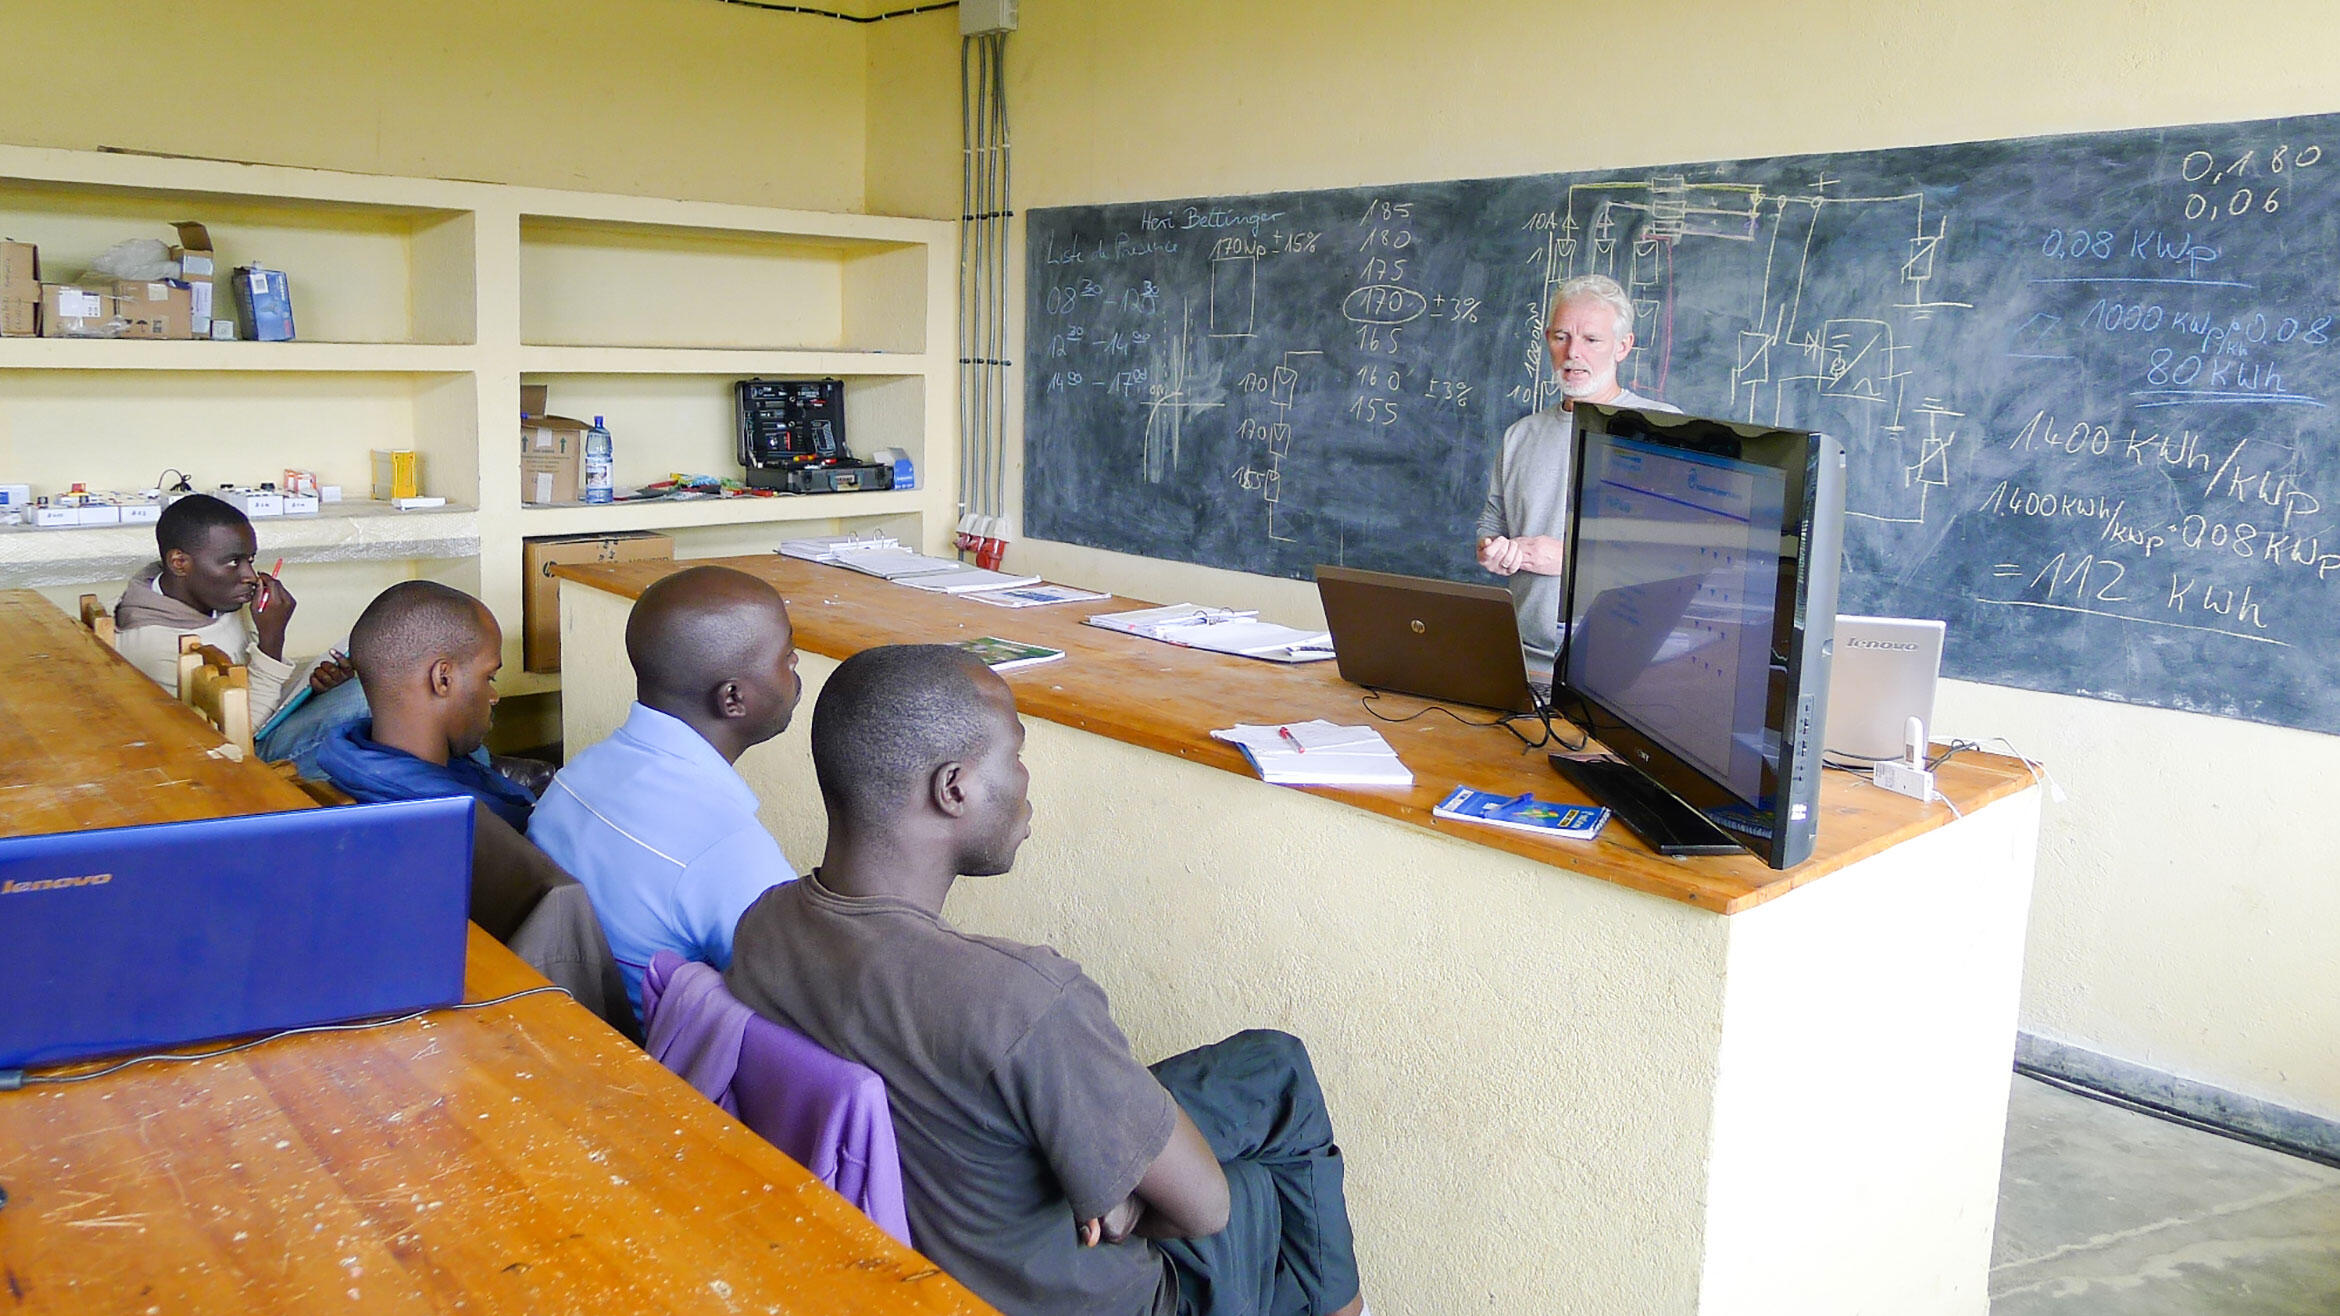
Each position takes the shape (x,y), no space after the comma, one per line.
(1522,528)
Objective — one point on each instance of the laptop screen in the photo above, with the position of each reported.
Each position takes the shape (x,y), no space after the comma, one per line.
(133,938)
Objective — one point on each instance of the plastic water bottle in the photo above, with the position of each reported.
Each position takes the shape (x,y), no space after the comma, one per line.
(600,458)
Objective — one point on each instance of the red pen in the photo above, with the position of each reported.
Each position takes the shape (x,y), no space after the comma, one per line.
(1286,733)
(261,604)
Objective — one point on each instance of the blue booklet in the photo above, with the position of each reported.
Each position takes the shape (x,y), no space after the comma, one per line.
(1525,813)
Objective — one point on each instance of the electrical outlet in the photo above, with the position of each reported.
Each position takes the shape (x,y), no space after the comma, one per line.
(980,16)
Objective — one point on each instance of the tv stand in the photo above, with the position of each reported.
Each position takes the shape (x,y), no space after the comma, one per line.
(1647,809)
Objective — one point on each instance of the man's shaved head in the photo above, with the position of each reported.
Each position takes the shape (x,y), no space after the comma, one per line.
(713,647)
(411,625)
(907,734)
(427,656)
(889,716)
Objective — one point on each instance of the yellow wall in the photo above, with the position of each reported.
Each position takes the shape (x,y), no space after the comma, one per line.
(679,98)
(2201,949)
(2165,946)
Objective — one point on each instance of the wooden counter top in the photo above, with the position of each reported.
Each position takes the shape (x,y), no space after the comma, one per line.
(519,1158)
(1168,698)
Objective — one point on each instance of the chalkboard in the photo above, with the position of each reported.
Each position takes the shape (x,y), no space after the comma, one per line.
(2084,381)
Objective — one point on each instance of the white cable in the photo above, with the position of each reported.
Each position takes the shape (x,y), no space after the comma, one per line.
(2038,770)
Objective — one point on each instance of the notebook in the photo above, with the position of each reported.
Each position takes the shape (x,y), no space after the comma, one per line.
(1318,753)
(1007,655)
(830,548)
(131,939)
(1452,643)
(1221,630)
(964,579)
(894,563)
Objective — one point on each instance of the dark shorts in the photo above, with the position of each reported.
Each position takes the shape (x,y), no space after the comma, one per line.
(1286,1250)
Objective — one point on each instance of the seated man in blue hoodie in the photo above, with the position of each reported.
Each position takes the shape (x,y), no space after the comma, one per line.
(427,656)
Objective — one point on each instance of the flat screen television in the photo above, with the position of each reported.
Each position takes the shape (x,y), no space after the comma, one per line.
(1698,605)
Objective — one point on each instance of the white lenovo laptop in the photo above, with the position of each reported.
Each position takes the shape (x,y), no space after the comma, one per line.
(1883,674)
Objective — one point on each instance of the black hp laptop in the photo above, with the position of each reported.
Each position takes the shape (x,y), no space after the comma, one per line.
(1453,643)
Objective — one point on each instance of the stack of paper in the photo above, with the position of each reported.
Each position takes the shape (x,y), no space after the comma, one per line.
(828,548)
(1033,596)
(964,579)
(893,563)
(939,574)
(1220,630)
(1319,753)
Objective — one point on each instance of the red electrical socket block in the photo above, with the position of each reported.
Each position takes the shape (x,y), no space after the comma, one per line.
(990,543)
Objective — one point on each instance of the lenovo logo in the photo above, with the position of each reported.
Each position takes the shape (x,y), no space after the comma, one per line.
(53,884)
(1894,646)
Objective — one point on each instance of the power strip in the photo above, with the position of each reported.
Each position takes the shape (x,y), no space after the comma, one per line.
(1903,779)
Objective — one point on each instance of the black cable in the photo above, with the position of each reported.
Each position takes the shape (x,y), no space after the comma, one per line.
(1550,736)
(358,1027)
(1954,748)
(809,11)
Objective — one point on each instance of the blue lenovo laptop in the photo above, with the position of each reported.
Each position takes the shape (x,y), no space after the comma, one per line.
(138,938)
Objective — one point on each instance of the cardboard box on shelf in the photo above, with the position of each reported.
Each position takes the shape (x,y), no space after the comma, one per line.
(552,460)
(199,266)
(540,595)
(158,308)
(264,304)
(397,473)
(20,290)
(69,310)
(533,399)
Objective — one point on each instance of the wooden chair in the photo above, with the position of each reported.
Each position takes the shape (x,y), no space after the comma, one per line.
(218,689)
(99,621)
(323,792)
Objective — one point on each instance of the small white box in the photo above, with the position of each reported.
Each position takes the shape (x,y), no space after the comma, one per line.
(256,503)
(15,495)
(56,516)
(100,514)
(141,513)
(300,504)
(329,493)
(422,501)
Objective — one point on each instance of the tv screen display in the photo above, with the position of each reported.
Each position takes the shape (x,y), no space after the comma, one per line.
(1702,553)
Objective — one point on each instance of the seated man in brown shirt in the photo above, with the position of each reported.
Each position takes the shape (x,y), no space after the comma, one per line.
(1042,1165)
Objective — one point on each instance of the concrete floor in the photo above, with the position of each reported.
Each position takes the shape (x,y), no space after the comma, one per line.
(2106,1212)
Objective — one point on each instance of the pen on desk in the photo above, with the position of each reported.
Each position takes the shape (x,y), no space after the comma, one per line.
(260,604)
(1294,741)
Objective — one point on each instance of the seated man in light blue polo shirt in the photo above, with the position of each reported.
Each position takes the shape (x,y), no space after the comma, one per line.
(655,820)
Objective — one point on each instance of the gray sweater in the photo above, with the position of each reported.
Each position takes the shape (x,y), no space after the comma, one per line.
(1528,495)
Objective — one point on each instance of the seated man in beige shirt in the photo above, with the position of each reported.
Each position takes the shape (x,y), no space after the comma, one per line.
(201,586)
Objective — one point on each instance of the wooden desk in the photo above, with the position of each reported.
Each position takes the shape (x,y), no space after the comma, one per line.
(521,1158)
(1568,1076)
(1170,699)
